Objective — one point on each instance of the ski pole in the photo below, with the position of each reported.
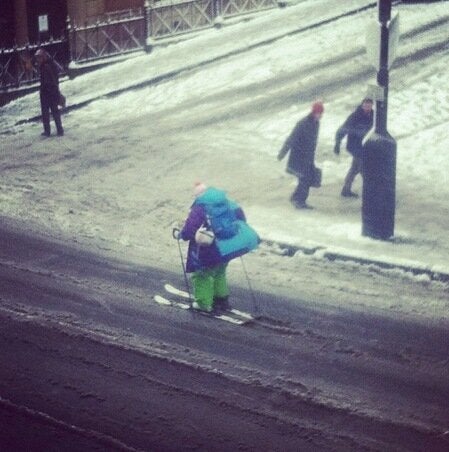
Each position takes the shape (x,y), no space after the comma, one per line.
(175,234)
(253,298)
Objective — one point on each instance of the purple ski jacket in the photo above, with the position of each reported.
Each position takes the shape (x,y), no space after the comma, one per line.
(201,257)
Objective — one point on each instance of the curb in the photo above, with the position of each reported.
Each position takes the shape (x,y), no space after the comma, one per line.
(332,256)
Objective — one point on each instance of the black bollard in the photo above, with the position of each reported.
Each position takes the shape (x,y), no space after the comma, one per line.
(379,186)
(379,152)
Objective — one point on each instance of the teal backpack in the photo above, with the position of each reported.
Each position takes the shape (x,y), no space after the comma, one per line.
(233,237)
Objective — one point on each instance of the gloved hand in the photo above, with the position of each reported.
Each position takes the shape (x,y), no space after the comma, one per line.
(336,149)
(176,234)
(282,152)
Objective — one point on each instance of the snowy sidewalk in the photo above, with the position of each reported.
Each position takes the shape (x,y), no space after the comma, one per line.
(338,237)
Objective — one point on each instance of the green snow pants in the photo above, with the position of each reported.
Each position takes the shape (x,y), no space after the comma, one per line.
(209,284)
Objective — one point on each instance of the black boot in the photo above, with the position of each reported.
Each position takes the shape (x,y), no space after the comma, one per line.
(221,303)
(303,205)
(349,194)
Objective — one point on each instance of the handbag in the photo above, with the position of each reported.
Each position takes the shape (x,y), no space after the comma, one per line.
(62,100)
(316,177)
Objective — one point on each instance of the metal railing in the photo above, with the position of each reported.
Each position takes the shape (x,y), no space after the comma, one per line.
(156,20)
(109,38)
(18,68)
(121,32)
(168,18)
(172,17)
(231,8)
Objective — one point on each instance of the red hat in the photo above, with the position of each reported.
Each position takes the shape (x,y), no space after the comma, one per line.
(317,107)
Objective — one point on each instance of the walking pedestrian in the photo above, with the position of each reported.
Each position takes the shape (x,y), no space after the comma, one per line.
(301,162)
(49,92)
(217,232)
(356,126)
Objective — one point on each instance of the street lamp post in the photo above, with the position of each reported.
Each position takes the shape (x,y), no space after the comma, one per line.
(379,149)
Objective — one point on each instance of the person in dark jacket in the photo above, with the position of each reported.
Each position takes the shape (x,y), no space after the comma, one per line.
(49,92)
(210,288)
(301,162)
(356,126)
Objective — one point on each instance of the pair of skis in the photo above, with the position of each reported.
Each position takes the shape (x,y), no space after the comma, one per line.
(181,300)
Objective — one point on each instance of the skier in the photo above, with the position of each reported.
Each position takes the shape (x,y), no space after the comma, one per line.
(356,126)
(302,145)
(49,92)
(217,232)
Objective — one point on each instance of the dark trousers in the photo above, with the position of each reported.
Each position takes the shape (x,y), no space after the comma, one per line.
(354,169)
(301,192)
(50,103)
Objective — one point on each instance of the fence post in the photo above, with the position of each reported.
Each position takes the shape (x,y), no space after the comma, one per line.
(68,53)
(15,65)
(86,45)
(97,36)
(27,64)
(149,43)
(218,20)
(2,53)
(71,47)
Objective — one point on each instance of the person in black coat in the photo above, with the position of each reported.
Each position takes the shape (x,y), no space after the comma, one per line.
(356,126)
(49,92)
(301,162)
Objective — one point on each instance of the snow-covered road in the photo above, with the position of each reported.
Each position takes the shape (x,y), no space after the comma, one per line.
(126,373)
